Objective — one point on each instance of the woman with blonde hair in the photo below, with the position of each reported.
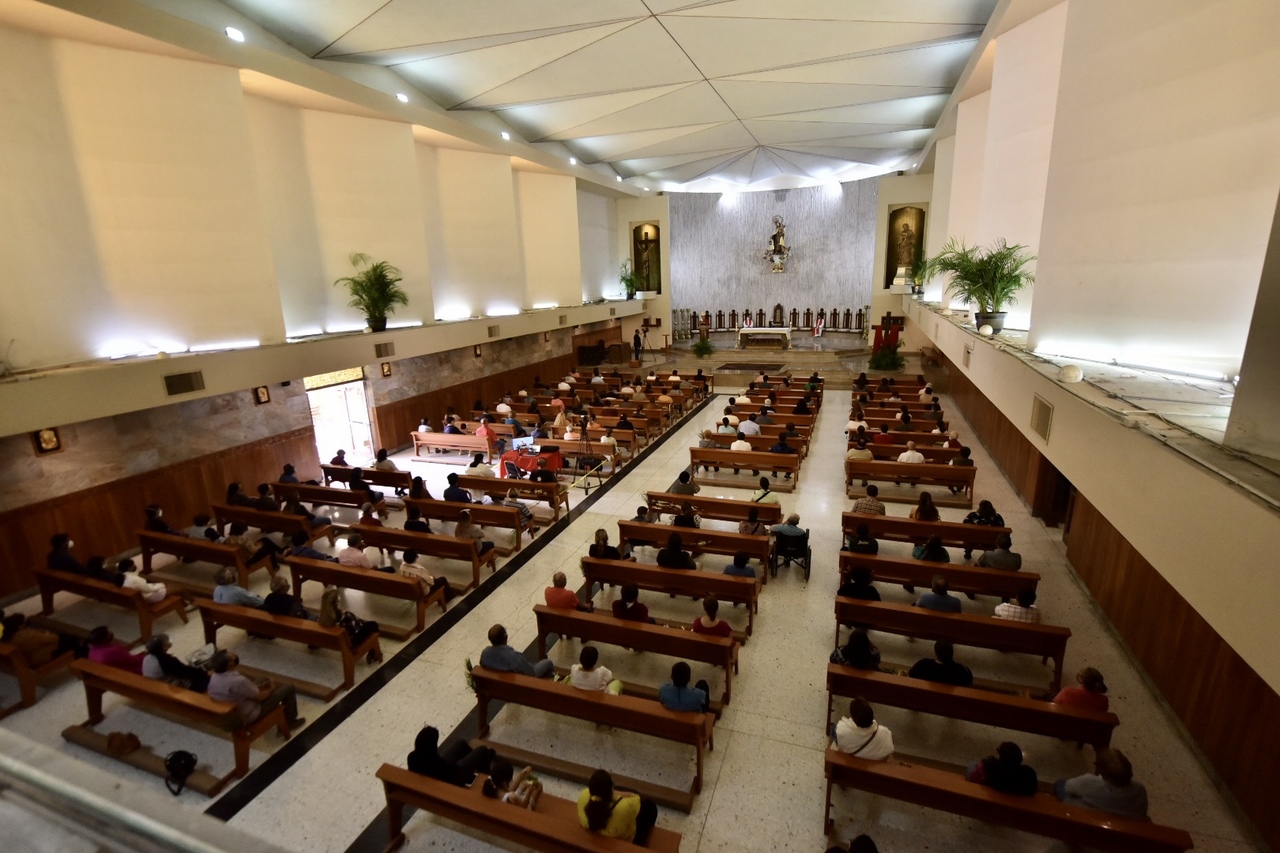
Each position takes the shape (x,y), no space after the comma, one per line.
(465,529)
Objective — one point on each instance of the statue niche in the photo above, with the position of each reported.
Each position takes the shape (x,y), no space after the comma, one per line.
(778,251)
(645,260)
(905,245)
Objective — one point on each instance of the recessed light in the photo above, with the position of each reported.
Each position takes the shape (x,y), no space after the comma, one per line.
(646,189)
(402,97)
(506,135)
(619,178)
(234,34)
(573,161)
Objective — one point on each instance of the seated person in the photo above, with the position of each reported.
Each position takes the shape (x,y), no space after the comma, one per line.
(465,529)
(1002,557)
(790,527)
(858,651)
(860,735)
(628,605)
(938,598)
(739,567)
(201,526)
(415,522)
(615,814)
(931,551)
(513,501)
(753,526)
(162,665)
(411,568)
(357,483)
(104,648)
(479,468)
(1005,772)
(943,668)
(860,452)
(128,576)
(911,455)
(253,550)
(517,789)
(677,695)
(236,496)
(781,446)
(368,517)
(1091,694)
(709,623)
(265,501)
(683,485)
(288,474)
(457,765)
(226,684)
(454,492)
(281,602)
(686,517)
(155,521)
(500,657)
(859,585)
(1024,611)
(301,547)
(587,674)
(674,556)
(228,591)
(1110,789)
(559,594)
(340,459)
(986,516)
(37,645)
(354,556)
(293,506)
(542,475)
(861,542)
(601,549)
(764,495)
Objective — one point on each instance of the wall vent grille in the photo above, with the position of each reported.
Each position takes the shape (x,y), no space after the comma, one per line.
(386,350)
(613,312)
(564,318)
(493,331)
(968,352)
(1041,417)
(184,383)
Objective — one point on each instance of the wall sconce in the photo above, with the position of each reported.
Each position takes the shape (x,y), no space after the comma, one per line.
(261,395)
(475,350)
(546,337)
(46,441)
(386,369)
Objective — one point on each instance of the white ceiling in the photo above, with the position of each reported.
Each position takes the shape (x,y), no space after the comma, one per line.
(711,95)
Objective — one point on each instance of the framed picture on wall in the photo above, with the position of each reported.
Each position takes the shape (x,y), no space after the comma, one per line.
(261,395)
(47,441)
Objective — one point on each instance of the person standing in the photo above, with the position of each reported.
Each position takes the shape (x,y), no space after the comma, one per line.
(636,344)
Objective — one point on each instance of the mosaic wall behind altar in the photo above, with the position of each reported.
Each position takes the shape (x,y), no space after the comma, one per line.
(718,243)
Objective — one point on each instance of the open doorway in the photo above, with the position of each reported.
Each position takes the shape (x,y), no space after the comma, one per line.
(340,415)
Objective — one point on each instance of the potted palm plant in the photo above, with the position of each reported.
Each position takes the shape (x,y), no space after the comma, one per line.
(988,278)
(375,289)
(630,280)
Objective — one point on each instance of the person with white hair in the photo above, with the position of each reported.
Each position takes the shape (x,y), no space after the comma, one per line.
(911,455)
(790,527)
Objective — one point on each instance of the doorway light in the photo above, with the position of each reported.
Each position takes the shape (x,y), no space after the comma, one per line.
(234,34)
(402,97)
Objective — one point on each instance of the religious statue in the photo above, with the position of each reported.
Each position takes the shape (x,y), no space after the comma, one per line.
(906,247)
(778,250)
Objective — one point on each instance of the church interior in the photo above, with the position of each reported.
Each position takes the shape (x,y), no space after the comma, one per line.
(574,248)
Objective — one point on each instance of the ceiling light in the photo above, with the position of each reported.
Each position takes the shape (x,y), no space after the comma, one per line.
(234,34)
(618,178)
(646,189)
(573,161)
(506,135)
(402,97)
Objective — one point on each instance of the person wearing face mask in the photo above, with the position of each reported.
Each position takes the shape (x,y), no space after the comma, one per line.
(60,557)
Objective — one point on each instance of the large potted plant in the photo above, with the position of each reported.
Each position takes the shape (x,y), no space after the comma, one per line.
(988,278)
(375,289)
(631,280)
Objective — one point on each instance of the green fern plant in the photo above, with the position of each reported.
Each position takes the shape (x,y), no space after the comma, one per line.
(702,348)
(375,289)
(989,278)
(630,280)
(887,358)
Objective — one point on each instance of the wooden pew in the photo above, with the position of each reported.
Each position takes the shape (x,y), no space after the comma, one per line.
(900,439)
(954,534)
(699,541)
(974,580)
(302,569)
(14,662)
(782,414)
(922,473)
(626,438)
(447,441)
(319,496)
(644,716)
(551,827)
(372,476)
(963,629)
(203,550)
(725,588)
(574,449)
(1041,814)
(431,545)
(974,705)
(272,522)
(743,460)
(641,636)
(553,494)
(487,515)
(290,628)
(176,701)
(52,581)
(931,452)
(762,443)
(721,509)
(775,429)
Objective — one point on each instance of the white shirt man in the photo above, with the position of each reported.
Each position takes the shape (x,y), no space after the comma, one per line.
(911,455)
(860,735)
(748,427)
(852,426)
(740,443)
(478,468)
(502,409)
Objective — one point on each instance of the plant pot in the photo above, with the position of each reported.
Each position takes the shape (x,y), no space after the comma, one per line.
(994,319)
(377,324)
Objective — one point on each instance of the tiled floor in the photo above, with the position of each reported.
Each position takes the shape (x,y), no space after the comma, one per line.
(763,785)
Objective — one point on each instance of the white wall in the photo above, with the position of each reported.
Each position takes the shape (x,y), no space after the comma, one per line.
(482,268)
(1162,182)
(936,235)
(895,192)
(969,164)
(597,240)
(631,212)
(548,213)
(1024,93)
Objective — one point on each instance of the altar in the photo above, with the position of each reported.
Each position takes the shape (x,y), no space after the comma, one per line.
(764,338)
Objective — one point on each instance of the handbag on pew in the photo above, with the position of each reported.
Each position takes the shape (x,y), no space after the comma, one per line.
(179,765)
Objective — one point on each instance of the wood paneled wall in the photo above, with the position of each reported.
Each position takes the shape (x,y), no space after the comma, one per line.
(392,422)
(1033,477)
(1230,711)
(104,519)
(609,334)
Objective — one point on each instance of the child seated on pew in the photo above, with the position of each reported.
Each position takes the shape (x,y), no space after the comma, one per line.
(519,789)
